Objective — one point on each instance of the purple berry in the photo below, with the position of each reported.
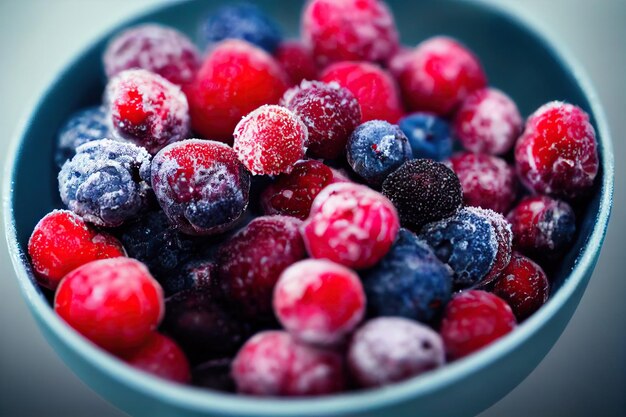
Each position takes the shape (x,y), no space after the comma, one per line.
(84,126)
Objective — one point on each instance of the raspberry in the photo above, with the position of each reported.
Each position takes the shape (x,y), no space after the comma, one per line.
(201,186)
(270,140)
(329,112)
(318,301)
(429,135)
(349,30)
(273,363)
(557,153)
(473,320)
(162,357)
(487,181)
(375,149)
(159,49)
(216,102)
(106,182)
(62,241)
(523,285)
(250,263)
(350,224)
(296,59)
(392,349)
(214,374)
(83,126)
(440,74)
(115,303)
(372,86)
(488,121)
(146,109)
(423,191)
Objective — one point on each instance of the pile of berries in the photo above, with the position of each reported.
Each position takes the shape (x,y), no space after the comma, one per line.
(287,217)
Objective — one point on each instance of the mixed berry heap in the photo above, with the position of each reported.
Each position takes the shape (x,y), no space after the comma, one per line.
(306,243)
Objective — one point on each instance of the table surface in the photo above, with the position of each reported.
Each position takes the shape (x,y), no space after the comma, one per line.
(583,375)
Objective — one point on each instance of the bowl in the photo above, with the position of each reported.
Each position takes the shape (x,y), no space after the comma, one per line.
(517,60)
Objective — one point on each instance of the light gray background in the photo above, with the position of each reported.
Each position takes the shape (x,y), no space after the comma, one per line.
(583,375)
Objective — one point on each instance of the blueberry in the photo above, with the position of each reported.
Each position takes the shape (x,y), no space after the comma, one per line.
(83,126)
(375,149)
(410,281)
(428,135)
(241,21)
(214,374)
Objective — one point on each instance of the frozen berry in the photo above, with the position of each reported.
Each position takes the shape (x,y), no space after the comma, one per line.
(329,112)
(410,281)
(200,185)
(523,285)
(372,86)
(398,61)
(106,182)
(160,356)
(542,225)
(440,74)
(423,191)
(159,49)
(392,349)
(214,374)
(297,61)
(350,224)
(376,149)
(241,21)
(429,135)
(318,301)
(487,181)
(270,140)
(488,121)
(83,126)
(62,241)
(115,303)
(273,363)
(557,153)
(250,263)
(216,102)
(472,320)
(146,109)
(349,30)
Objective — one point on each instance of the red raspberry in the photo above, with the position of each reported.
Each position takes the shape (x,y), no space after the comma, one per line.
(350,224)
(440,74)
(216,96)
(488,121)
(273,363)
(318,301)
(115,303)
(487,181)
(270,140)
(523,285)
(62,241)
(472,320)
(557,154)
(297,61)
(147,109)
(349,30)
(162,357)
(330,113)
(292,194)
(373,87)
(251,262)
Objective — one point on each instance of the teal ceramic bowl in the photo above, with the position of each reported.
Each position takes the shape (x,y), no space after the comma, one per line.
(517,60)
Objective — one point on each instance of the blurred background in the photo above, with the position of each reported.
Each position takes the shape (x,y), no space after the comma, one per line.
(583,375)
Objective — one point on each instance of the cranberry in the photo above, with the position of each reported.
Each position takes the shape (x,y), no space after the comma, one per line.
(297,61)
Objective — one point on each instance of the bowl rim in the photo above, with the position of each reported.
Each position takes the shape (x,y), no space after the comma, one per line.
(201,400)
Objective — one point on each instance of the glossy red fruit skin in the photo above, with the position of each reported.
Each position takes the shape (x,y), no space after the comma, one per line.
(296,59)
(523,285)
(273,363)
(557,154)
(62,241)
(439,75)
(472,320)
(115,303)
(318,301)
(160,356)
(216,102)
(373,87)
